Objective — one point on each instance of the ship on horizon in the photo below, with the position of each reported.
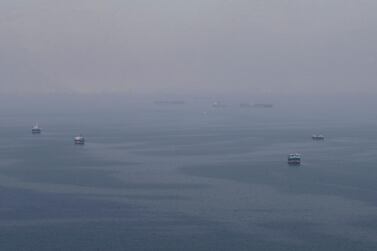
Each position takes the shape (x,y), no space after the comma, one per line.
(169,102)
(218,105)
(263,105)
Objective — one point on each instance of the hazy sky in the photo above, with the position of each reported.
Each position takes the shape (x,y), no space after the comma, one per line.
(240,46)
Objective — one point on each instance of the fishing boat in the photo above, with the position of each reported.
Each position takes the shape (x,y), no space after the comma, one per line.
(318,137)
(294,159)
(36,129)
(79,140)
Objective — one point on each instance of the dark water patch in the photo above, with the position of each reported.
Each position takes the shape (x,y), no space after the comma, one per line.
(119,235)
(160,235)
(305,179)
(55,157)
(18,204)
(142,197)
(312,236)
(67,176)
(166,186)
(368,223)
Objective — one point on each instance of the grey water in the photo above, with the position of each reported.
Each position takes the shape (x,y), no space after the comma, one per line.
(189,177)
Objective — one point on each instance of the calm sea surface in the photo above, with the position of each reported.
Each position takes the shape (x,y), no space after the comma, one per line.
(188,178)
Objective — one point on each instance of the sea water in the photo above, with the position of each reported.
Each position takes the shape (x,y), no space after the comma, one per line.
(188,177)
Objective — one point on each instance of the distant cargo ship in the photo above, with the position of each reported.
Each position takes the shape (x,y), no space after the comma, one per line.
(263,105)
(36,129)
(294,159)
(79,140)
(246,105)
(169,102)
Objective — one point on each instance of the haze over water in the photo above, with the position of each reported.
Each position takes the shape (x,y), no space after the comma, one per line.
(162,167)
(189,177)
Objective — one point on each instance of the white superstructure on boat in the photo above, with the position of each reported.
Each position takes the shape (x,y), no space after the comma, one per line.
(79,140)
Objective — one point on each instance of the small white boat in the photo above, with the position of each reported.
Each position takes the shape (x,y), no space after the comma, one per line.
(294,159)
(318,137)
(36,129)
(79,140)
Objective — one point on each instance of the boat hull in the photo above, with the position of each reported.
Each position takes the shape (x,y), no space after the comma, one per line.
(318,138)
(79,142)
(294,162)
